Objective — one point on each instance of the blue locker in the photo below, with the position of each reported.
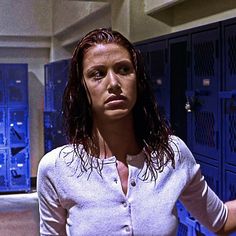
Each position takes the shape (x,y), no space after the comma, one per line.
(228,94)
(19,169)
(160,83)
(203,95)
(16,84)
(14,131)
(3,137)
(18,126)
(60,78)
(56,76)
(155,55)
(3,170)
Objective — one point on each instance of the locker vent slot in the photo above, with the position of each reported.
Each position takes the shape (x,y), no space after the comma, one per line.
(204,128)
(232,54)
(232,132)
(204,59)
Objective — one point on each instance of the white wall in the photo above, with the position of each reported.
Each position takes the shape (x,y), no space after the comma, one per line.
(25,17)
(71,20)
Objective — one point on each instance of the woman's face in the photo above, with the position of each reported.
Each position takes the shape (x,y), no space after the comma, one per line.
(110,78)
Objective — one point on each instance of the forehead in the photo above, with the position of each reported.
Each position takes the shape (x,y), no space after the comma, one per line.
(106,51)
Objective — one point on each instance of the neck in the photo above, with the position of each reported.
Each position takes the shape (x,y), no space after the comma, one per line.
(116,138)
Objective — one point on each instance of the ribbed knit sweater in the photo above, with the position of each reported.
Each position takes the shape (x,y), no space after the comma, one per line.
(79,203)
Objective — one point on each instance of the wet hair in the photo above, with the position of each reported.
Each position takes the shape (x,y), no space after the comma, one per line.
(152,130)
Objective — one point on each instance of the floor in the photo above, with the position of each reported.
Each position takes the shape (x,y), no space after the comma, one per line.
(19,214)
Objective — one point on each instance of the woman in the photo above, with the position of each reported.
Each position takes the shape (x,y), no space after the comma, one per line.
(123,170)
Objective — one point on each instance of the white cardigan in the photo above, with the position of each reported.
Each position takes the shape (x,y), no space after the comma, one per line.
(86,204)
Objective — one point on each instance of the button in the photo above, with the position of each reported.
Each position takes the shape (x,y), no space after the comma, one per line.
(125,204)
(116,180)
(133,183)
(127,228)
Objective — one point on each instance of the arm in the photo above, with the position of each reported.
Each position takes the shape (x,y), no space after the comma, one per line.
(52,214)
(199,199)
(230,224)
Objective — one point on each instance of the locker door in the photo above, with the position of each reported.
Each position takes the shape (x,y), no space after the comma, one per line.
(60,77)
(18,127)
(204,94)
(228,95)
(179,73)
(158,56)
(17,84)
(19,169)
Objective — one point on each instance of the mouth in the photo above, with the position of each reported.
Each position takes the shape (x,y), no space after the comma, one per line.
(114,98)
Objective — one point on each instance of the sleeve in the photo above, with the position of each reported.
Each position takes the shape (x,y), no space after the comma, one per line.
(199,199)
(52,214)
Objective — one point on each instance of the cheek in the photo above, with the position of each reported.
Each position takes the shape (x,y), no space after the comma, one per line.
(88,92)
(133,91)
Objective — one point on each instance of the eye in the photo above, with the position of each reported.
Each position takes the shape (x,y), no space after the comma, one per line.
(96,74)
(124,70)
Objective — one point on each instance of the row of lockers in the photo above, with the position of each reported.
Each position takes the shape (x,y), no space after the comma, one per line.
(193,74)
(14,128)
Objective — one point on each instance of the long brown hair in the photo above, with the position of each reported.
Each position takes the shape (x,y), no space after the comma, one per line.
(152,130)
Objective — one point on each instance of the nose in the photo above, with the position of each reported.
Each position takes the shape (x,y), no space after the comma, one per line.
(113,82)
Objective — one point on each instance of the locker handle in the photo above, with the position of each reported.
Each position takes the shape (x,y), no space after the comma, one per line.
(15,174)
(192,99)
(16,133)
(227,94)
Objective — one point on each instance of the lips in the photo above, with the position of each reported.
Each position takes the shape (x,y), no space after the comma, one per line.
(115,98)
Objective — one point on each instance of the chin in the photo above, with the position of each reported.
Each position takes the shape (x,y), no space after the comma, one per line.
(118,114)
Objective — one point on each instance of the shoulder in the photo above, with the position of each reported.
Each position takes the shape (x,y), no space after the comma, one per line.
(49,160)
(179,147)
(184,158)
